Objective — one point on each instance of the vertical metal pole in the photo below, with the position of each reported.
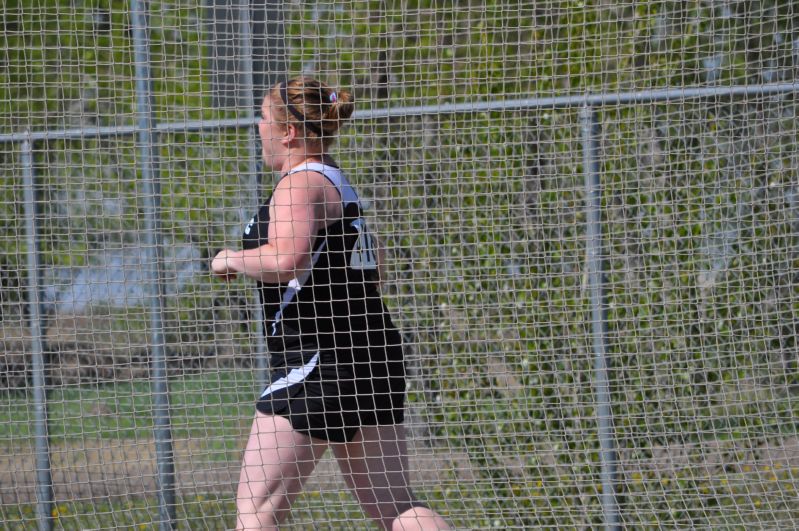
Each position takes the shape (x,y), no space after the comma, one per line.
(148,162)
(44,482)
(594,266)
(248,101)
(269,42)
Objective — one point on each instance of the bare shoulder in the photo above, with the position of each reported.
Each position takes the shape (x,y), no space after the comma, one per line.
(309,187)
(308,181)
(301,187)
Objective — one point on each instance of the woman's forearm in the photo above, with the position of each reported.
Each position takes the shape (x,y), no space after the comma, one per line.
(264,263)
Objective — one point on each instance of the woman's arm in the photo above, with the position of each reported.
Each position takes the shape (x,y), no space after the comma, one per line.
(296,213)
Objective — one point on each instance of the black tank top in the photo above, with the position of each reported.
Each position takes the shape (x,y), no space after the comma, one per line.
(336,302)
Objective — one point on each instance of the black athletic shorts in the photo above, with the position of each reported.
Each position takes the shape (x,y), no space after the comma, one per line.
(330,394)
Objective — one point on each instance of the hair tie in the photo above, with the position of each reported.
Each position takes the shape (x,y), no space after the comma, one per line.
(333,97)
(284,95)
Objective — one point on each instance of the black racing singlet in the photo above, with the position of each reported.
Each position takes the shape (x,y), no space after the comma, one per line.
(337,301)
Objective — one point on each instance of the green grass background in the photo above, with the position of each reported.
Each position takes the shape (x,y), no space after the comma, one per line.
(215,407)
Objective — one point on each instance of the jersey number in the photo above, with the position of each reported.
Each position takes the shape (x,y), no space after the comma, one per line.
(364,253)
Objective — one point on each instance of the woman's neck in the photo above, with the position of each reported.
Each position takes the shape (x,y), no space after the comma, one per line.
(293,162)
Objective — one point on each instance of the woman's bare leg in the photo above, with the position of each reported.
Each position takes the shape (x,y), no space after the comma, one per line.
(375,466)
(277,461)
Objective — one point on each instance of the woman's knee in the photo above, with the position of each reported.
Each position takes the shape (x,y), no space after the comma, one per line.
(269,507)
(276,463)
(419,518)
(267,500)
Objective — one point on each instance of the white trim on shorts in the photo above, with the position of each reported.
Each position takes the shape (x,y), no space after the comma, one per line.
(294,376)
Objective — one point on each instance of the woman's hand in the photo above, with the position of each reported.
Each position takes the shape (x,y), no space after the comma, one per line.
(221,265)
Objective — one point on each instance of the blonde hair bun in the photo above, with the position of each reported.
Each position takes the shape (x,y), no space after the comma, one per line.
(313,106)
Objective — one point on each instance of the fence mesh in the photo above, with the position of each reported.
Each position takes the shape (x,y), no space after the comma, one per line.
(482,213)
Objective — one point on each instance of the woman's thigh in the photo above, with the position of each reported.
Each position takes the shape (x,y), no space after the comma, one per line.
(277,461)
(375,465)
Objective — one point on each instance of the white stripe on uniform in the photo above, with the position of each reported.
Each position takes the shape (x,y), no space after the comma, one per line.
(294,376)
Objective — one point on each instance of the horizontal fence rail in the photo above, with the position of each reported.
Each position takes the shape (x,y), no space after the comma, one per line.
(575,101)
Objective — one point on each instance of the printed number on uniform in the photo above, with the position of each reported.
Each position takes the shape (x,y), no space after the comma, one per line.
(364,253)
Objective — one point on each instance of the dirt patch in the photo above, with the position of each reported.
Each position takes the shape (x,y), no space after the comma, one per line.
(14,355)
(711,458)
(92,469)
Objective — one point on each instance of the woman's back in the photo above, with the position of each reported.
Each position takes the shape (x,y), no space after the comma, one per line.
(336,301)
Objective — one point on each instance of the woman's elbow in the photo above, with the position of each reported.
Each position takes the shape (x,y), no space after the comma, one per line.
(288,268)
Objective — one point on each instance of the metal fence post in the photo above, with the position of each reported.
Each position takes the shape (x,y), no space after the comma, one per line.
(165,459)
(44,482)
(594,269)
(248,101)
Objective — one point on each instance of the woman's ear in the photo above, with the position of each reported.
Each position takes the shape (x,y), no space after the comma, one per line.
(290,135)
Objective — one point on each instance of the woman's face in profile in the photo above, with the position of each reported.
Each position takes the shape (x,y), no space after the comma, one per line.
(273,136)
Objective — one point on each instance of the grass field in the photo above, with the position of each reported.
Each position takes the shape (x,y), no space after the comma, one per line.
(312,510)
(210,416)
(198,512)
(213,407)
(735,480)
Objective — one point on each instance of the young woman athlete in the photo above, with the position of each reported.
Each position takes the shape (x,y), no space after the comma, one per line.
(337,370)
